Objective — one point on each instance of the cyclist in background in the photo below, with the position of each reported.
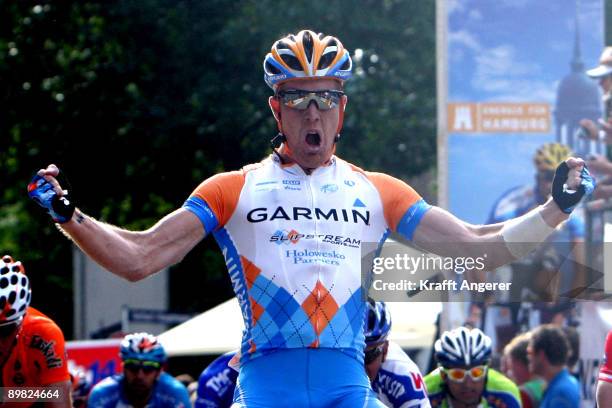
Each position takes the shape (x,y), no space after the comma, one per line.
(463,378)
(81,386)
(143,382)
(394,376)
(217,383)
(32,350)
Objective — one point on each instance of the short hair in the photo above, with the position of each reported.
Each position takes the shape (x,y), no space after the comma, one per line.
(573,338)
(552,341)
(517,348)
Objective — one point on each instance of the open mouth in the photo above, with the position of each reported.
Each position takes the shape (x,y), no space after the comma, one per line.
(313,139)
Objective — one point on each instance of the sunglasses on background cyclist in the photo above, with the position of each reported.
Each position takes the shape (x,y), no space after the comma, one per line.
(458,374)
(300,99)
(146,366)
(372,354)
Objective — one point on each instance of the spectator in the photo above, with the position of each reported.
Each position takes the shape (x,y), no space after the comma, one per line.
(517,369)
(548,352)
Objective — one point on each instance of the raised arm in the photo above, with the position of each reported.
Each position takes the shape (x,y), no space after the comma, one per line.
(132,255)
(442,233)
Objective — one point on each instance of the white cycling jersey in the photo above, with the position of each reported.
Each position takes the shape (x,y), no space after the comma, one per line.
(292,244)
(399,383)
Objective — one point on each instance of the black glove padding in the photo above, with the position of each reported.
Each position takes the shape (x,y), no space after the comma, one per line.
(565,199)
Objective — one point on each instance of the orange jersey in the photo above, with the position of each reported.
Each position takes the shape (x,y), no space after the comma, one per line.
(38,357)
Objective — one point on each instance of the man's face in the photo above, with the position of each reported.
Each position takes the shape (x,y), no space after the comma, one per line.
(536,360)
(375,355)
(517,371)
(468,391)
(7,340)
(140,377)
(310,132)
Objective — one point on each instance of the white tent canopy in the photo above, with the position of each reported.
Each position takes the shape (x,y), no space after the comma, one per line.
(219,330)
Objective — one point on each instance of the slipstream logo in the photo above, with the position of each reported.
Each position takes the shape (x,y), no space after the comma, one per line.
(293,237)
(412,264)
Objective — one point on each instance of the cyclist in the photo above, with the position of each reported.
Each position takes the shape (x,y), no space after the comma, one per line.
(143,382)
(394,376)
(604,385)
(32,350)
(217,383)
(302,305)
(81,386)
(463,378)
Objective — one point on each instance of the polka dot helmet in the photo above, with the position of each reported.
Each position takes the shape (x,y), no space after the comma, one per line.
(15,292)
(143,347)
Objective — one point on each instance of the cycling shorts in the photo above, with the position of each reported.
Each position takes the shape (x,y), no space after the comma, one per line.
(304,378)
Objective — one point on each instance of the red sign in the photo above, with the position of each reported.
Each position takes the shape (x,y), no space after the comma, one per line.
(97,358)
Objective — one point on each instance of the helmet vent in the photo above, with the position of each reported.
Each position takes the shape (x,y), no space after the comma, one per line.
(291,61)
(308,45)
(347,65)
(281,45)
(326,59)
(271,69)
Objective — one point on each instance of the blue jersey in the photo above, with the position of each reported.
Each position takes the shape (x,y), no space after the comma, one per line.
(562,392)
(217,383)
(399,383)
(168,392)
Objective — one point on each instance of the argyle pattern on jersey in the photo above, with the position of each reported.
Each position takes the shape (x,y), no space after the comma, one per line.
(279,321)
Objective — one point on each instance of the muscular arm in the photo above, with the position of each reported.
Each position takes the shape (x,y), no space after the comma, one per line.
(444,234)
(134,255)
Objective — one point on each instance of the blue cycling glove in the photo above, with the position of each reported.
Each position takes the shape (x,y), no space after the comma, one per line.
(60,208)
(565,199)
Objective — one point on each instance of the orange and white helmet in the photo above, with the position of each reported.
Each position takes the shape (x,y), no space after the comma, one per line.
(307,55)
(15,292)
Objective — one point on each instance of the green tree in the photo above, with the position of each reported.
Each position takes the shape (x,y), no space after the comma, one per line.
(138,102)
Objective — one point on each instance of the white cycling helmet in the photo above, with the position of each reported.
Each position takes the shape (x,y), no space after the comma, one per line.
(463,347)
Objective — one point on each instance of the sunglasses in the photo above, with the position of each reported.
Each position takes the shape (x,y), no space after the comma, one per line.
(299,99)
(372,354)
(146,366)
(458,374)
